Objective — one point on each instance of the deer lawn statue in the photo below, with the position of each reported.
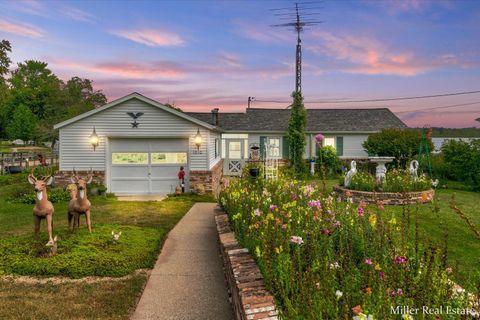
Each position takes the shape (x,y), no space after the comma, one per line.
(116,237)
(52,248)
(43,208)
(79,205)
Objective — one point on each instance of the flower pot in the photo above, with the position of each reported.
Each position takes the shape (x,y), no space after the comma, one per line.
(254,172)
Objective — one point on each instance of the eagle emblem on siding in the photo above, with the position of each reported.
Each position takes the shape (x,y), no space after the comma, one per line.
(135,116)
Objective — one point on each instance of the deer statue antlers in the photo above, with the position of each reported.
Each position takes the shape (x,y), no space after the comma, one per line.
(80,204)
(43,208)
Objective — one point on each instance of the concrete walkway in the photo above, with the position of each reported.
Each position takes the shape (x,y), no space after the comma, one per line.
(187,281)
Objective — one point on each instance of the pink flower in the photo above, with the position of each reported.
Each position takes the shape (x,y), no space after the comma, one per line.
(308,190)
(325,231)
(319,138)
(294,196)
(257,212)
(400,259)
(273,207)
(360,212)
(368,261)
(399,292)
(381,274)
(314,203)
(296,240)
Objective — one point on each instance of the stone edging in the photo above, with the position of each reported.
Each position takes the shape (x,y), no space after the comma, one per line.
(250,299)
(388,198)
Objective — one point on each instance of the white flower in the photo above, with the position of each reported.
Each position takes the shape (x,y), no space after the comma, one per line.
(339,294)
(334,265)
(407,317)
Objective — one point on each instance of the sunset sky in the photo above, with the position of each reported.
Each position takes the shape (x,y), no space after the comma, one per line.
(205,54)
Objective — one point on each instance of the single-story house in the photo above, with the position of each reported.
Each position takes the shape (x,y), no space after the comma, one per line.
(140,144)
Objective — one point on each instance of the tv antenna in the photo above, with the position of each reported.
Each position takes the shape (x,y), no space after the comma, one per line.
(299,17)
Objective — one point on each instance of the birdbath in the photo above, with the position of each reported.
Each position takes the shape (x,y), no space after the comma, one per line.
(381,169)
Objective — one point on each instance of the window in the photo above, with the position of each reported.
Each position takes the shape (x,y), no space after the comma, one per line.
(329,141)
(129,158)
(217,142)
(169,158)
(273,147)
(234,149)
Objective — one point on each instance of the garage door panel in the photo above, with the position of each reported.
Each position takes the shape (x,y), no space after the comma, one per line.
(166,185)
(130,186)
(131,172)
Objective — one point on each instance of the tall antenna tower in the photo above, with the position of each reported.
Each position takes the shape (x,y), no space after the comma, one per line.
(295,17)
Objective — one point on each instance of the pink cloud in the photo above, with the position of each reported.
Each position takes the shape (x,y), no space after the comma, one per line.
(366,55)
(21,29)
(158,69)
(77,14)
(152,37)
(261,33)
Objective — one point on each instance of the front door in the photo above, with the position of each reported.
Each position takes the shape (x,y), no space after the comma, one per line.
(234,157)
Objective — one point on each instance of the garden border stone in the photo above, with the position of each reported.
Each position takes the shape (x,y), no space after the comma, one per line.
(250,299)
(388,198)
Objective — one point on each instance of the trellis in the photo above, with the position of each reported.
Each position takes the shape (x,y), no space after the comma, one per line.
(271,164)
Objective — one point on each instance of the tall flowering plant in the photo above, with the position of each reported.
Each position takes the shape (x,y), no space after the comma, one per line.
(319,141)
(324,258)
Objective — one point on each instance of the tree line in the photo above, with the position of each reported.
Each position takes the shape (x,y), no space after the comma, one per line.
(33,99)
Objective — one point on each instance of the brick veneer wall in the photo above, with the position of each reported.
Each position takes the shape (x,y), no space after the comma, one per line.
(250,298)
(391,198)
(210,179)
(62,178)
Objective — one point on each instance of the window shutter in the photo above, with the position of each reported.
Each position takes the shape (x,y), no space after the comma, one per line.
(263,143)
(285,148)
(339,146)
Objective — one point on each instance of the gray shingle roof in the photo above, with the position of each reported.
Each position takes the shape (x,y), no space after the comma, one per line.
(318,120)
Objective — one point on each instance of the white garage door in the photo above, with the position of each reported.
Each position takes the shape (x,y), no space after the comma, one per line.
(142,166)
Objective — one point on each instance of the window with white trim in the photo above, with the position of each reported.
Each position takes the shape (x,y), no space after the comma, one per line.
(273,147)
(329,141)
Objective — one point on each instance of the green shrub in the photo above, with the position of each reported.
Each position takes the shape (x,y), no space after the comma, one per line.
(363,181)
(462,160)
(397,181)
(403,144)
(25,194)
(327,156)
(82,254)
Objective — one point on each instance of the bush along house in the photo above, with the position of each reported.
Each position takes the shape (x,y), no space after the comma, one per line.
(136,145)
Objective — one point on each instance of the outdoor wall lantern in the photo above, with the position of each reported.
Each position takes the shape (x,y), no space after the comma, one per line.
(198,139)
(94,140)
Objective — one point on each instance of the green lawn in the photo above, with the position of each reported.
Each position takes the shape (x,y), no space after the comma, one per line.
(113,299)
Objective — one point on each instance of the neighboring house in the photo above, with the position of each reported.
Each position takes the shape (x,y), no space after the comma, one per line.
(438,142)
(144,155)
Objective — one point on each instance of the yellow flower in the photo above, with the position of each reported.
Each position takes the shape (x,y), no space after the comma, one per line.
(278,250)
(393,221)
(377,267)
(372,219)
(270,216)
(425,196)
(257,251)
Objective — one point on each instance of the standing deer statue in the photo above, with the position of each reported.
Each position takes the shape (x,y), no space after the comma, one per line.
(43,208)
(79,203)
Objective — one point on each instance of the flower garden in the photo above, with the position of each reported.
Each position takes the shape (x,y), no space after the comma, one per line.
(324,258)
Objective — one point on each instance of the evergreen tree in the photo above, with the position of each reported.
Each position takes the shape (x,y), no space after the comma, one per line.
(296,134)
